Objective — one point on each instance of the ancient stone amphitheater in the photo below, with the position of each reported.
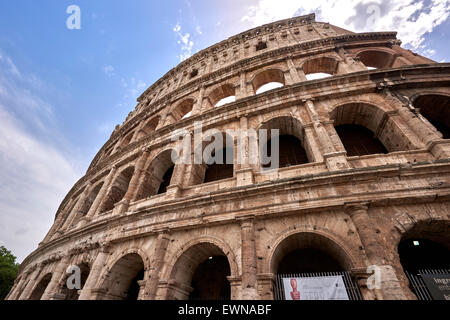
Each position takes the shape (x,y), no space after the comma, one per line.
(364,177)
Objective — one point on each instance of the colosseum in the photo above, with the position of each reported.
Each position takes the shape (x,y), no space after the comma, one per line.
(362,191)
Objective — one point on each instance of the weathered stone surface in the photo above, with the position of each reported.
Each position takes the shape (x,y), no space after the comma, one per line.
(354,208)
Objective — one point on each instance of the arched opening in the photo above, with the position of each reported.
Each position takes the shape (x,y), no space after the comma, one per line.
(375,59)
(183,110)
(69,211)
(74,294)
(261,46)
(222,95)
(291,150)
(367,129)
(166,180)
(149,127)
(122,281)
(158,175)
(214,159)
(126,140)
(221,168)
(424,254)
(320,68)
(268,80)
(201,274)
(308,259)
(436,109)
(316,248)
(40,287)
(118,189)
(359,141)
(209,281)
(90,199)
(420,254)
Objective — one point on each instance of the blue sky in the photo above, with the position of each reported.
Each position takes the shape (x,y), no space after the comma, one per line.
(63,91)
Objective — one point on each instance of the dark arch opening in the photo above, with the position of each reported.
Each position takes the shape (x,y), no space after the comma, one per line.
(40,287)
(73,294)
(421,257)
(122,281)
(221,169)
(309,251)
(308,260)
(425,250)
(210,282)
(166,180)
(119,189)
(307,255)
(158,175)
(419,254)
(133,290)
(436,109)
(359,141)
(291,152)
(200,273)
(90,200)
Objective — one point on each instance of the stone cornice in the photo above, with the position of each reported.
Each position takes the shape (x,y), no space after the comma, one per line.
(342,80)
(234,40)
(323,45)
(398,79)
(377,198)
(343,40)
(331,42)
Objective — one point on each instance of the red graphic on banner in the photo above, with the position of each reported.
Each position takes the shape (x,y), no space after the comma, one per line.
(295,294)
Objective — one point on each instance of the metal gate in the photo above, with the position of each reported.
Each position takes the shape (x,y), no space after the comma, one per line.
(417,284)
(350,284)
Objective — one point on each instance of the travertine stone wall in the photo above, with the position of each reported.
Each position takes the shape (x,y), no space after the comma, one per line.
(356,209)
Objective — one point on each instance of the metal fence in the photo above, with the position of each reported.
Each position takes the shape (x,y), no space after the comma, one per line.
(350,284)
(417,284)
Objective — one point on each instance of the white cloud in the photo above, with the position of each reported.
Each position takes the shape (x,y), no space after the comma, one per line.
(35,178)
(109,70)
(11,66)
(429,52)
(185,42)
(411,19)
(177,28)
(35,174)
